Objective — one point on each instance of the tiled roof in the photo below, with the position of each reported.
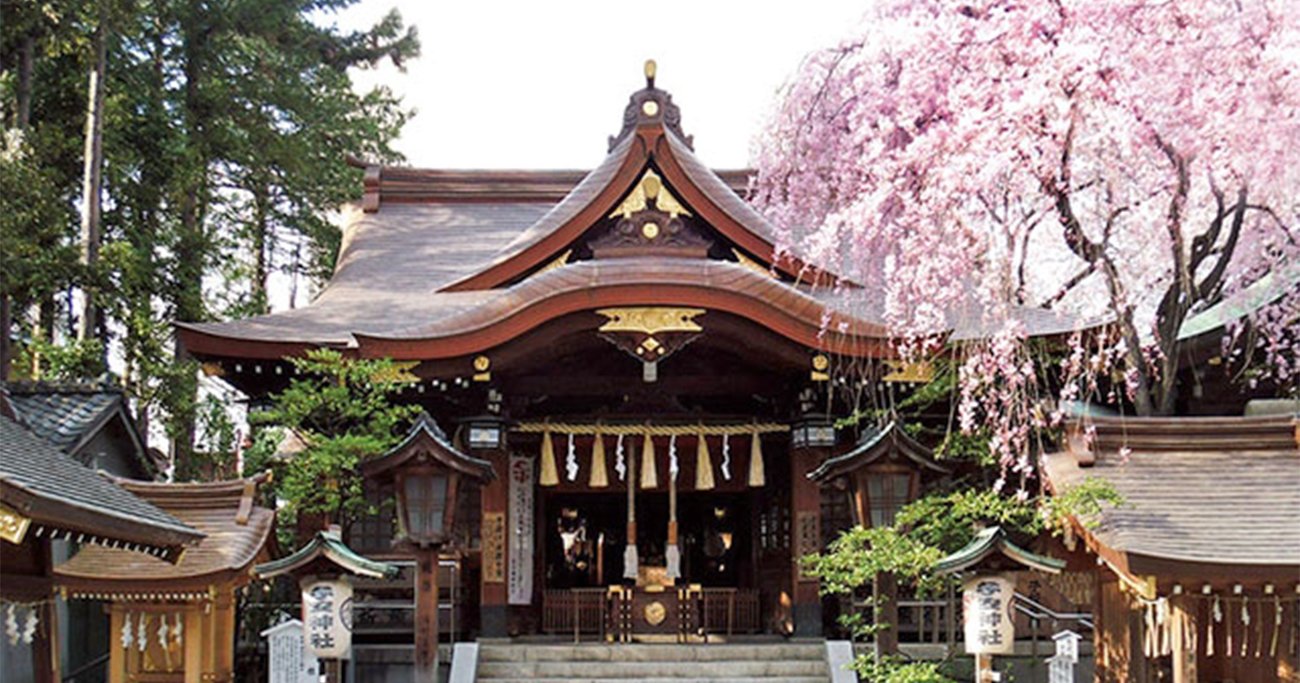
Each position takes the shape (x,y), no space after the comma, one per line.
(42,482)
(326,546)
(993,540)
(234,537)
(873,446)
(64,414)
(1212,490)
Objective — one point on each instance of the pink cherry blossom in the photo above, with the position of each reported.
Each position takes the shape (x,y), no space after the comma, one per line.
(1125,160)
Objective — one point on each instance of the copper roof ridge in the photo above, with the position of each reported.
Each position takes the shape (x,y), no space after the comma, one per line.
(628,271)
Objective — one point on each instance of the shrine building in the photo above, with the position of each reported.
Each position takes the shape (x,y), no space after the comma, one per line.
(650,381)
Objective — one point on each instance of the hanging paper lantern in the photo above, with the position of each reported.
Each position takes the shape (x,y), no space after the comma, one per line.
(649,473)
(703,465)
(599,477)
(550,476)
(757,477)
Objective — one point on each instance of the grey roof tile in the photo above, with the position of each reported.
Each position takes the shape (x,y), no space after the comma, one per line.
(29,463)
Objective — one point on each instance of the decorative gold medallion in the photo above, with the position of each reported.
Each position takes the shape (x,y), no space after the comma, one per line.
(655,613)
(481,366)
(820,364)
(13,526)
(650,108)
(650,230)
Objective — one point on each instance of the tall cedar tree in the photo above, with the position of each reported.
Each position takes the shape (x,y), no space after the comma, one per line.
(226,126)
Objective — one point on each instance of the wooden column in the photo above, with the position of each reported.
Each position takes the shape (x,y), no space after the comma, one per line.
(196,625)
(116,653)
(45,644)
(805,516)
(495,535)
(426,615)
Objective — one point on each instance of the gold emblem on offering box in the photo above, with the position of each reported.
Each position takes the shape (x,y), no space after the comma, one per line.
(655,613)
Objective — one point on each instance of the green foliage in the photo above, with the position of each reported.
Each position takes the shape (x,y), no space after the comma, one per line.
(948,521)
(226,128)
(70,361)
(1084,501)
(896,670)
(859,554)
(341,409)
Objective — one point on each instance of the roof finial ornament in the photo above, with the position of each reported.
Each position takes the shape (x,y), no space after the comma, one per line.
(650,68)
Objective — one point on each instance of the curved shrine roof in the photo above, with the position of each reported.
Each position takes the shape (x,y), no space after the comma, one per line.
(439,264)
(1213,491)
(236,534)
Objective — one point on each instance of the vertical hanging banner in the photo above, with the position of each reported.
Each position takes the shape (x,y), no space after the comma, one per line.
(519,579)
(327,618)
(990,628)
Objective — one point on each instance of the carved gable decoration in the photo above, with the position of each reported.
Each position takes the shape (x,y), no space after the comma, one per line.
(651,221)
(650,334)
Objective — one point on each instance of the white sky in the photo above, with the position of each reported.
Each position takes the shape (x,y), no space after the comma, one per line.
(503,84)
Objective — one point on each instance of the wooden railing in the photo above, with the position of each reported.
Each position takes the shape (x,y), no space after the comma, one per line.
(607,612)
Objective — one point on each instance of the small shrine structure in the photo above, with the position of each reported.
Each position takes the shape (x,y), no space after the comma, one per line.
(1198,570)
(45,496)
(176,622)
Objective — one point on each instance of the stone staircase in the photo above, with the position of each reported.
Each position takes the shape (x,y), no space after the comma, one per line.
(654,663)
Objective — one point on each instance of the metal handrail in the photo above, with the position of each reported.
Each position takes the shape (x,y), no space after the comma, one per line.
(1036,610)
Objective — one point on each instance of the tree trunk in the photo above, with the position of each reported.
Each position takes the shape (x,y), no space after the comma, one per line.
(191,243)
(261,248)
(26,65)
(26,60)
(92,179)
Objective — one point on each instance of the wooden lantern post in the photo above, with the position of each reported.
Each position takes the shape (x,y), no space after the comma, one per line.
(428,473)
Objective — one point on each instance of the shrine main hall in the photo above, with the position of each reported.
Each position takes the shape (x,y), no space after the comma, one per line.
(652,383)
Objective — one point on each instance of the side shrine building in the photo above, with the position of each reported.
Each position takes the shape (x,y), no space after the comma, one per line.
(649,381)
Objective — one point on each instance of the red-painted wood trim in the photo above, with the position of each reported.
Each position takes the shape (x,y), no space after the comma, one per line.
(546,248)
(730,228)
(533,314)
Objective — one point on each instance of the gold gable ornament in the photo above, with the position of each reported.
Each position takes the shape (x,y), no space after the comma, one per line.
(650,187)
